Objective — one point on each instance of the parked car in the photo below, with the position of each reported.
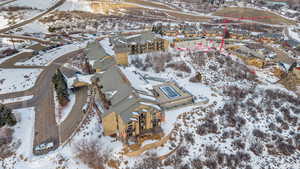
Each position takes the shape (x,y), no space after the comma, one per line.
(44,146)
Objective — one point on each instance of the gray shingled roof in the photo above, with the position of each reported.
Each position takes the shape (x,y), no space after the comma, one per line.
(104,64)
(137,38)
(95,51)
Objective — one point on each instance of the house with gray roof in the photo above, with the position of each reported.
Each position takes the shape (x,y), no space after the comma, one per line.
(125,114)
(98,58)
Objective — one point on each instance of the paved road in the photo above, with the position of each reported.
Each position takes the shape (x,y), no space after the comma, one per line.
(69,125)
(59,3)
(7,2)
(25,38)
(43,101)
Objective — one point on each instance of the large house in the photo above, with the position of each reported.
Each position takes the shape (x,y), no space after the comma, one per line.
(126,115)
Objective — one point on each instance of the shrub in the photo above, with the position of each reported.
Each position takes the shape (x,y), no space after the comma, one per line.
(90,153)
(208,127)
(180,66)
(257,148)
(182,151)
(197,164)
(189,138)
(297,141)
(239,144)
(259,134)
(185,166)
(241,156)
(197,78)
(5,135)
(221,157)
(150,162)
(285,149)
(211,164)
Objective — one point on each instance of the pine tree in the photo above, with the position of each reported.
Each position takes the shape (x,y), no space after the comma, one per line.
(61,87)
(6,116)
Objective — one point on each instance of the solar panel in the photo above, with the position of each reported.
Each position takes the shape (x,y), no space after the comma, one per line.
(170,92)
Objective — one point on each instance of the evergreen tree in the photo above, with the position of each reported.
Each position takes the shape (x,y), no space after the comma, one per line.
(61,87)
(6,116)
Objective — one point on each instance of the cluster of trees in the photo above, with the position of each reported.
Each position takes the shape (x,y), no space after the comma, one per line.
(157,61)
(91,154)
(6,116)
(181,66)
(61,88)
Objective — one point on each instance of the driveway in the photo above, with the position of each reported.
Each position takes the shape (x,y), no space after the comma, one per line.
(45,124)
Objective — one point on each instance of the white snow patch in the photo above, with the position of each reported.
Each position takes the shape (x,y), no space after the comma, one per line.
(17,99)
(44,59)
(61,113)
(15,80)
(24,130)
(107,47)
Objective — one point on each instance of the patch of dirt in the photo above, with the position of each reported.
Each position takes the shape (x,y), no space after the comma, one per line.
(237,12)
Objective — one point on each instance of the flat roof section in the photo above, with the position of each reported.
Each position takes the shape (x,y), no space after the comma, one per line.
(170,92)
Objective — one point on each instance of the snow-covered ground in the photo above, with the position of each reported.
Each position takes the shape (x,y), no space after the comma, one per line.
(32,28)
(64,157)
(23,137)
(61,113)
(25,134)
(15,80)
(38,4)
(46,58)
(293,34)
(11,18)
(3,21)
(79,5)
(17,99)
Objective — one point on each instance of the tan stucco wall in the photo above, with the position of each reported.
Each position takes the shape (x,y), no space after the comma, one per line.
(178,103)
(122,58)
(109,123)
(297,73)
(166,44)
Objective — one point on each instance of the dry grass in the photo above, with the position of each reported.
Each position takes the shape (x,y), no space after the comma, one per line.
(237,12)
(98,7)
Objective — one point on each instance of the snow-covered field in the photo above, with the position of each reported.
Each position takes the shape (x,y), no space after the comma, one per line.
(64,157)
(23,136)
(79,5)
(46,58)
(38,4)
(15,80)
(293,34)
(10,18)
